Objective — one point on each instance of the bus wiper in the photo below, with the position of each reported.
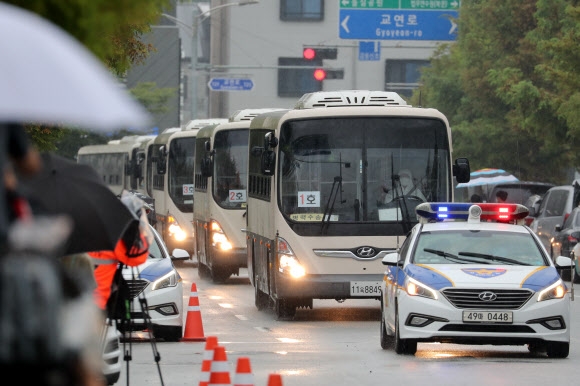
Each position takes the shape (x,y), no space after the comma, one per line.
(451,256)
(336,187)
(493,258)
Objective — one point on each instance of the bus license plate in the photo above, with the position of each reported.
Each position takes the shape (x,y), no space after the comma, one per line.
(365,288)
(488,317)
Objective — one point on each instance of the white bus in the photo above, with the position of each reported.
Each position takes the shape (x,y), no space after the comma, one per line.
(120,163)
(169,180)
(219,210)
(317,225)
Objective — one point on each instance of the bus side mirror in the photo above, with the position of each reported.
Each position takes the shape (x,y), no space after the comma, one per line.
(270,141)
(161,160)
(461,170)
(268,162)
(206,166)
(207,145)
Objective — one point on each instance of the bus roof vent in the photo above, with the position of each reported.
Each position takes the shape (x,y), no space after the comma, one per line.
(249,114)
(199,123)
(349,98)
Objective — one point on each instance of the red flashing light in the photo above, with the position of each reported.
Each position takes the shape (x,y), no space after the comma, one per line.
(309,53)
(320,74)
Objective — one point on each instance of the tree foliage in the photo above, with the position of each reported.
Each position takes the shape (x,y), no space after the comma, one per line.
(509,86)
(154,99)
(110,29)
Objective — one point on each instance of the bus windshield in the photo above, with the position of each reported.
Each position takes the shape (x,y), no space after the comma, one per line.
(180,168)
(362,169)
(230,168)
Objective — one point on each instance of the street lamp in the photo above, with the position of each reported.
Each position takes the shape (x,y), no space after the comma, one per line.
(198,18)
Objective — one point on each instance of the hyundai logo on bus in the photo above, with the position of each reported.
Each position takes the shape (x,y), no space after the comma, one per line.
(365,252)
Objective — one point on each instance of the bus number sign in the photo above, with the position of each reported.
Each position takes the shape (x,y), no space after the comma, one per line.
(187,189)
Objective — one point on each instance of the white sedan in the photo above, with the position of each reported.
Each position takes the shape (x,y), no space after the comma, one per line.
(474,274)
(157,293)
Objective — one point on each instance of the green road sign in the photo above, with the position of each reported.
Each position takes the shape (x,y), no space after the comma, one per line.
(427,5)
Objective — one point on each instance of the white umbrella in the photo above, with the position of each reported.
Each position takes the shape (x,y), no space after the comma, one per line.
(488,177)
(47,76)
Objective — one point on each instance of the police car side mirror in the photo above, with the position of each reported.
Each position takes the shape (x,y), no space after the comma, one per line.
(391,259)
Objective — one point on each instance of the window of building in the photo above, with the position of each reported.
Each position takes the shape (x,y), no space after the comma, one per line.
(295,82)
(302,10)
(402,76)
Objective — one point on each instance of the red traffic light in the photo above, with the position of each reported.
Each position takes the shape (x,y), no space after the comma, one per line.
(309,53)
(320,74)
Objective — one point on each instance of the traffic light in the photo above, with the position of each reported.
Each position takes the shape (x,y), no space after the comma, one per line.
(321,74)
(319,53)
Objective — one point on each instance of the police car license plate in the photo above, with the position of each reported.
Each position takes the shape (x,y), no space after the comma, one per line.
(365,288)
(488,317)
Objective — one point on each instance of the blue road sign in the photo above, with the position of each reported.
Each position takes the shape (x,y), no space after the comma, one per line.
(369,51)
(397,24)
(230,84)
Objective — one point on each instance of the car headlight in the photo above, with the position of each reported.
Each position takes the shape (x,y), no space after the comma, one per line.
(168,280)
(416,288)
(555,291)
(288,262)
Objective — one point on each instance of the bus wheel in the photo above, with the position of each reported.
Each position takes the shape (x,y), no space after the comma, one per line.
(219,275)
(285,309)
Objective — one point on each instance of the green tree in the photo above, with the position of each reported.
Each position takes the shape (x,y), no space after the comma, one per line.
(152,98)
(111,29)
(508,86)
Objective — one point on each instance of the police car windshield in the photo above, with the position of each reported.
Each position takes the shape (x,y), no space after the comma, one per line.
(450,256)
(493,258)
(479,247)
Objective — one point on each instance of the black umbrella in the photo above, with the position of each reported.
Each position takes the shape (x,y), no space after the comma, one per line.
(66,187)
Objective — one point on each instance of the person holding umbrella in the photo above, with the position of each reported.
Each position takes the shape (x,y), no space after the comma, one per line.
(19,157)
(132,250)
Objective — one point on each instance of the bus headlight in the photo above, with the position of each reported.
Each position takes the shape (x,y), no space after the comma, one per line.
(176,232)
(287,261)
(555,291)
(218,237)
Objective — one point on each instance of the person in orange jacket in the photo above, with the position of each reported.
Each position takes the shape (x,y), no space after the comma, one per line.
(131,250)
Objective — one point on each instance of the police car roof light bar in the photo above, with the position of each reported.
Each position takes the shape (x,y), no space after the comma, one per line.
(460,211)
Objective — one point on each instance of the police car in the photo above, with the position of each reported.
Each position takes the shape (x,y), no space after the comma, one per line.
(474,274)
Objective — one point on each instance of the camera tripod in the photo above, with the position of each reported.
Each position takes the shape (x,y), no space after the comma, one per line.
(120,309)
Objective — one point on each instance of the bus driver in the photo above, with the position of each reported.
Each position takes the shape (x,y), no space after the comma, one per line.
(405,187)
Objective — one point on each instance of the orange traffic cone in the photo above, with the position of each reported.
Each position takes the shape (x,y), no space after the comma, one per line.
(193,326)
(243,375)
(220,372)
(275,380)
(210,344)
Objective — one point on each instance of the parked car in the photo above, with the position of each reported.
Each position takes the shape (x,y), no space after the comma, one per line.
(159,283)
(474,274)
(554,209)
(566,235)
